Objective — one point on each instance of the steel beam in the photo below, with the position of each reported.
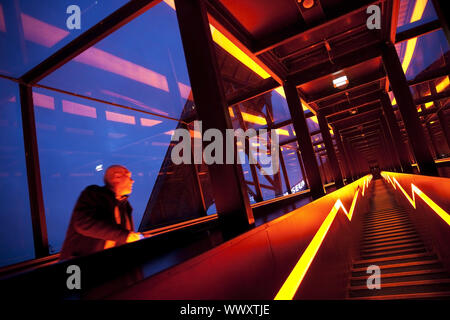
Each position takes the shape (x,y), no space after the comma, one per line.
(408,110)
(304,140)
(229,189)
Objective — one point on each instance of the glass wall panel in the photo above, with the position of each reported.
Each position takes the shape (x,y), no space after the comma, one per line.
(286,133)
(16,235)
(31,31)
(414,12)
(423,54)
(79,138)
(294,171)
(140,65)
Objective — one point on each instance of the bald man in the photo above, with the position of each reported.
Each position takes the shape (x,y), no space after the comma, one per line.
(102,217)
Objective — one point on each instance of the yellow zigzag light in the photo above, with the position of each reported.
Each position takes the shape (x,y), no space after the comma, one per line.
(414,190)
(297,274)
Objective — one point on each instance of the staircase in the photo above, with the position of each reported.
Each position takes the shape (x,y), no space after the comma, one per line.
(390,241)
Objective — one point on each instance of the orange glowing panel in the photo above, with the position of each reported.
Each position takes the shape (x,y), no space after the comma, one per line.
(170,3)
(282,132)
(195,134)
(2,20)
(253,119)
(295,278)
(79,109)
(442,84)
(149,122)
(40,32)
(118,117)
(419,8)
(103,60)
(170,133)
(444,215)
(240,55)
(44,101)
(185,91)
(428,105)
(230,110)
(134,101)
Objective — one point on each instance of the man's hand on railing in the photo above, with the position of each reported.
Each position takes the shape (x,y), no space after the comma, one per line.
(134,236)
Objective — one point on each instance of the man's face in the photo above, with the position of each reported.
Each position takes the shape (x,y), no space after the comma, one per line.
(124,184)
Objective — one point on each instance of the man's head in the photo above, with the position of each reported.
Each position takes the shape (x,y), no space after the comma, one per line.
(118,179)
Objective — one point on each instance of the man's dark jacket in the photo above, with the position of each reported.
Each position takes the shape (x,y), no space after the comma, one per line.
(93,222)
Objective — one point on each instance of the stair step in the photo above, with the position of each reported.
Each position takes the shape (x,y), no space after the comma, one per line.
(404,256)
(409,245)
(401,267)
(388,217)
(391,238)
(420,295)
(393,253)
(389,226)
(403,276)
(380,232)
(389,243)
(403,287)
(397,234)
(386,222)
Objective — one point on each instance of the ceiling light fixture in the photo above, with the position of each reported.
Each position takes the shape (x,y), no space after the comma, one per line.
(340,82)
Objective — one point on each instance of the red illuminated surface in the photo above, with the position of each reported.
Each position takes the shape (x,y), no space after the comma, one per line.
(40,32)
(79,109)
(44,101)
(103,60)
(295,278)
(391,177)
(2,20)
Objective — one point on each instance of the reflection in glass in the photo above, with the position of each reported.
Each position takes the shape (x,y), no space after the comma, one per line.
(141,65)
(16,236)
(78,139)
(31,31)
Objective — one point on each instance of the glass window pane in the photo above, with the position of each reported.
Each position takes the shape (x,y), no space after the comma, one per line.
(414,12)
(31,31)
(294,171)
(286,133)
(16,235)
(140,65)
(423,54)
(78,139)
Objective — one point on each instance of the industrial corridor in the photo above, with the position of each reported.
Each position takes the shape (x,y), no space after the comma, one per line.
(390,240)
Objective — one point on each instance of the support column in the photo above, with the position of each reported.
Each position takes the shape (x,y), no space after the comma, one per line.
(441,116)
(230,194)
(443,15)
(433,141)
(396,133)
(33,173)
(390,145)
(445,129)
(408,110)
(332,159)
(395,155)
(349,174)
(352,159)
(304,141)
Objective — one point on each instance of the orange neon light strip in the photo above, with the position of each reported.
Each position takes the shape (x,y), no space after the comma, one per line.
(295,278)
(415,190)
(442,84)
(253,119)
(241,56)
(419,8)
